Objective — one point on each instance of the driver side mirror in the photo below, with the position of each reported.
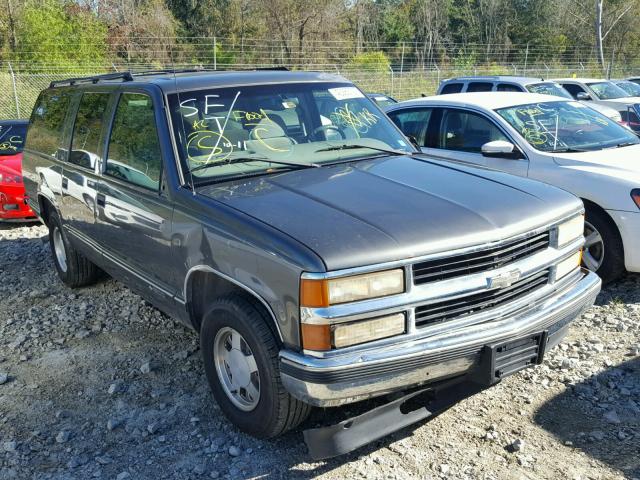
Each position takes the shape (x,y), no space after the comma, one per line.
(583,96)
(501,149)
(414,141)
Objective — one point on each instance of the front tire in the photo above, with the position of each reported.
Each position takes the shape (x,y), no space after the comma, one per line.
(241,362)
(74,269)
(603,250)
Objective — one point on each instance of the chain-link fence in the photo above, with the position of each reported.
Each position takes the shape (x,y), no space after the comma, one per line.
(401,70)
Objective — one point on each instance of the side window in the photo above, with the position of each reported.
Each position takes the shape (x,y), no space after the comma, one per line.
(451,88)
(507,87)
(47,122)
(467,132)
(480,87)
(413,122)
(134,150)
(573,89)
(87,129)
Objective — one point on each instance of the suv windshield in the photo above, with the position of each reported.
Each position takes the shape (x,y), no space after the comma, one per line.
(631,88)
(566,126)
(607,90)
(228,132)
(12,138)
(548,88)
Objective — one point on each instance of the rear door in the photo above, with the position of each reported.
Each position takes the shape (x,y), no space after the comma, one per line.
(458,134)
(134,210)
(80,172)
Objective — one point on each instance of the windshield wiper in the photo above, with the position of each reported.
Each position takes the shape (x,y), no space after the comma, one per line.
(253,159)
(626,144)
(356,146)
(570,150)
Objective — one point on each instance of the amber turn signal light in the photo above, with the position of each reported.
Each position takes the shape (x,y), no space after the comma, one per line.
(635,195)
(314,293)
(316,337)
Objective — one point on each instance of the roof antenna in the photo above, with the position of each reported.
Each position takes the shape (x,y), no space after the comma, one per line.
(184,132)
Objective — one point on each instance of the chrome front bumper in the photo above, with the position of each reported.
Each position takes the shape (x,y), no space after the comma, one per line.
(349,378)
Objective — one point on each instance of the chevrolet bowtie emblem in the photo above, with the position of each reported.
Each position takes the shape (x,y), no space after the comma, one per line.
(503,280)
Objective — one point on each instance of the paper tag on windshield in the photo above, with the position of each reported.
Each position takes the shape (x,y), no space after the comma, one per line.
(345,93)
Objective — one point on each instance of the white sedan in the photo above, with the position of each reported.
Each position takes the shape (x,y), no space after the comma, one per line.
(551,139)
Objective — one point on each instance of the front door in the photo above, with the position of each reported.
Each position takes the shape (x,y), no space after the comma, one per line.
(458,135)
(134,213)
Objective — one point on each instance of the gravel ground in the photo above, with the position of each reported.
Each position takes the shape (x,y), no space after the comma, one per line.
(96,383)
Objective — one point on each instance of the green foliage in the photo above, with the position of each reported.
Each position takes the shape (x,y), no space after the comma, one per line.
(370,61)
(55,33)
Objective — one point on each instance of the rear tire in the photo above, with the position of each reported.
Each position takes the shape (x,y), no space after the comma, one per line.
(260,405)
(603,251)
(73,268)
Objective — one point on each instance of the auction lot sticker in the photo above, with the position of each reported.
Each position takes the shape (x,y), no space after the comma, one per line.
(345,93)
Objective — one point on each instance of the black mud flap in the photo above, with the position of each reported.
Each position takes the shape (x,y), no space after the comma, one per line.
(496,362)
(355,432)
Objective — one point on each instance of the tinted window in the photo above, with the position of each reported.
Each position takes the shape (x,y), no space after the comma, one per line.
(134,150)
(479,87)
(47,121)
(12,138)
(467,132)
(413,123)
(451,88)
(573,89)
(507,87)
(87,129)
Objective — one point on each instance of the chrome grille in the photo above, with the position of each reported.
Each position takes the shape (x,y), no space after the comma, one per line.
(459,307)
(489,259)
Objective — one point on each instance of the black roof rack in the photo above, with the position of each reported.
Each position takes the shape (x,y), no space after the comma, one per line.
(128,76)
(124,76)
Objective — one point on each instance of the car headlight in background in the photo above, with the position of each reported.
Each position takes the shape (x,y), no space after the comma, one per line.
(635,196)
(568,265)
(570,230)
(334,291)
(326,337)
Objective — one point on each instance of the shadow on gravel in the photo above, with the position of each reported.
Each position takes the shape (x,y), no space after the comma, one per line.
(601,417)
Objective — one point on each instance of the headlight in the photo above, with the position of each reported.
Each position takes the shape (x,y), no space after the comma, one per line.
(570,230)
(568,265)
(333,291)
(326,337)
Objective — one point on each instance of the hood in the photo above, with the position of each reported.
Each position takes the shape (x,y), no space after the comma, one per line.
(622,101)
(394,208)
(624,162)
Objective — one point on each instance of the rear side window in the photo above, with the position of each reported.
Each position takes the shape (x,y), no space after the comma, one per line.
(451,88)
(413,123)
(507,87)
(134,150)
(467,132)
(87,129)
(480,87)
(47,122)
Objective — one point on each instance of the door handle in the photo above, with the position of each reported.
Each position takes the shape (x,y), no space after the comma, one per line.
(101,199)
(65,183)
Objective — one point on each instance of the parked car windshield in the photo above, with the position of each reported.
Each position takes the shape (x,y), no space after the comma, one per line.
(566,126)
(631,88)
(230,132)
(548,88)
(607,90)
(12,138)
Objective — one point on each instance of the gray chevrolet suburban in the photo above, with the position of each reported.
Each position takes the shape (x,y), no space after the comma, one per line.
(321,258)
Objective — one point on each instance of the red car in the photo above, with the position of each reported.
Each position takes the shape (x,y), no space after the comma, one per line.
(12,205)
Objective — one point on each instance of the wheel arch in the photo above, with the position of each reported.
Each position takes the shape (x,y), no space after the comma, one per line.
(203,283)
